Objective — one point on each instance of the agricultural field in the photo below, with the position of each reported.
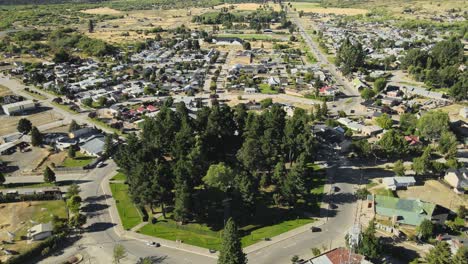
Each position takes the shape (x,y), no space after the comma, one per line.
(248,6)
(317,8)
(15,218)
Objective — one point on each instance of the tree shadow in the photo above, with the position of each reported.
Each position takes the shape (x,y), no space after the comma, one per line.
(99,226)
(92,207)
(98,198)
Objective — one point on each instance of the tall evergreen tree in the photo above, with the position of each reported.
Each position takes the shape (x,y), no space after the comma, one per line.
(231,247)
(36,137)
(182,201)
(49,175)
(90,26)
(440,254)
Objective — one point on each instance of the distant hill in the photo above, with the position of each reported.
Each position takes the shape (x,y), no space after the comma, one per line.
(43,2)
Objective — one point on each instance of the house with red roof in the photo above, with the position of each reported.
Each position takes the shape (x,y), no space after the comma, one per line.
(338,256)
(328,90)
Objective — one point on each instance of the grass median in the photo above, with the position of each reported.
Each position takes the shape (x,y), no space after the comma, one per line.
(128,212)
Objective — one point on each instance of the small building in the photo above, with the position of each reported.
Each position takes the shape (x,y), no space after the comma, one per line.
(371,130)
(394,183)
(458,179)
(250,90)
(94,147)
(40,231)
(18,107)
(404,211)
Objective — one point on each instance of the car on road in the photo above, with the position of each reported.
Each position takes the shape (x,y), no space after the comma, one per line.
(100,164)
(315,229)
(153,244)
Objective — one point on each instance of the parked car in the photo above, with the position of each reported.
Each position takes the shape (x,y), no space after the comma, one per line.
(100,164)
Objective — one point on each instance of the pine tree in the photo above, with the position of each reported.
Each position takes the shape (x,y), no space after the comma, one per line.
(461,257)
(440,254)
(2,178)
(91,26)
(182,201)
(71,152)
(231,248)
(24,126)
(36,137)
(399,168)
(49,175)
(73,126)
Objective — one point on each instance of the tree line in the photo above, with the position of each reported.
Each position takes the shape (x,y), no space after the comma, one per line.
(216,165)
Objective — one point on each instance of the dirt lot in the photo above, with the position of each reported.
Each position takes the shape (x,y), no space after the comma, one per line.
(435,192)
(9,123)
(315,8)
(15,218)
(4,91)
(24,162)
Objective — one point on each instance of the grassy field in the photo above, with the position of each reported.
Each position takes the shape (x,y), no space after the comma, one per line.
(274,230)
(64,107)
(128,212)
(202,236)
(119,177)
(36,95)
(15,217)
(266,89)
(316,8)
(248,36)
(80,160)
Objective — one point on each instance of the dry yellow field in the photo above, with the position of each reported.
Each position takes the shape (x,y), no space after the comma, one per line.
(9,123)
(4,91)
(315,8)
(14,217)
(102,11)
(247,6)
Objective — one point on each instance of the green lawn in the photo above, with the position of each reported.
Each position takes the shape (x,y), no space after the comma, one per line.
(202,236)
(383,192)
(266,89)
(273,230)
(102,124)
(35,95)
(128,212)
(119,177)
(27,185)
(79,161)
(192,234)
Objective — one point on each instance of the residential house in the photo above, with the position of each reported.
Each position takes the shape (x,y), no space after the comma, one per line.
(82,132)
(371,130)
(403,211)
(338,256)
(458,179)
(94,147)
(394,183)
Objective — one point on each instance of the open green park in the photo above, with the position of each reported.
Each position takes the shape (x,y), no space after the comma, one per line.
(270,220)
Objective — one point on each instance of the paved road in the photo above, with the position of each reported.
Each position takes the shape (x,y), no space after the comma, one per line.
(353,99)
(99,241)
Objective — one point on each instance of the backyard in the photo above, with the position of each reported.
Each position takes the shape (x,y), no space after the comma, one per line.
(80,160)
(266,89)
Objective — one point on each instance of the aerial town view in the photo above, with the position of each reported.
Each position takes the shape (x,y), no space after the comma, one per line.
(234,131)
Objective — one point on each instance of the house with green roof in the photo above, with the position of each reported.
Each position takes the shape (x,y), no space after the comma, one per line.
(403,211)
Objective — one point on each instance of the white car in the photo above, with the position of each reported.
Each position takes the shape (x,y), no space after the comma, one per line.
(153,244)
